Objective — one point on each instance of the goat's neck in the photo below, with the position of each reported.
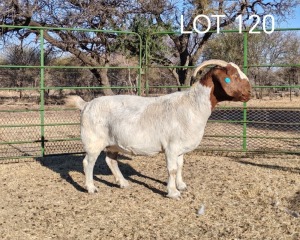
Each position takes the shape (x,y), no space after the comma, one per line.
(200,98)
(207,81)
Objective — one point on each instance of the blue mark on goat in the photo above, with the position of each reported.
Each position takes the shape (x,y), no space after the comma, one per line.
(227,80)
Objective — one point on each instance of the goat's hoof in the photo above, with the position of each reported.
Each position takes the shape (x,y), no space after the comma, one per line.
(92,189)
(124,184)
(174,195)
(181,186)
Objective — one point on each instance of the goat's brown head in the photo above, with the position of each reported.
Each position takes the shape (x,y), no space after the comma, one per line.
(227,81)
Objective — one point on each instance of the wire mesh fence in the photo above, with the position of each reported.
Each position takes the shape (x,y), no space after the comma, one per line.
(269,129)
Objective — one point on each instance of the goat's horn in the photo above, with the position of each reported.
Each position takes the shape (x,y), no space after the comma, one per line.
(210,62)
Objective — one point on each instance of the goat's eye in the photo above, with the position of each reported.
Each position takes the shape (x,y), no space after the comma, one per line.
(227,80)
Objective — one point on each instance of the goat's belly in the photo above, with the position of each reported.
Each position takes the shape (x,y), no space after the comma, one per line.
(134,150)
(136,144)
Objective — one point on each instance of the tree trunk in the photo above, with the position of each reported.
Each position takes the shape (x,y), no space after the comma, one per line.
(184,77)
(101,76)
(181,76)
(184,74)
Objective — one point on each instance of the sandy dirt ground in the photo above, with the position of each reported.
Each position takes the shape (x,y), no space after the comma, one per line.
(243,198)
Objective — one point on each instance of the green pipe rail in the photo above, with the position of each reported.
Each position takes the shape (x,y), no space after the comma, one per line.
(251,126)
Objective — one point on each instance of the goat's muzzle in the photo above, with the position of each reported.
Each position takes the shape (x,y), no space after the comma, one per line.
(246,98)
(246,94)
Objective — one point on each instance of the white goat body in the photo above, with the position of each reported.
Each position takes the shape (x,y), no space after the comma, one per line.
(146,125)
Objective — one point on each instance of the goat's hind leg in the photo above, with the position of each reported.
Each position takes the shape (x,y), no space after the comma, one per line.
(93,150)
(88,167)
(111,160)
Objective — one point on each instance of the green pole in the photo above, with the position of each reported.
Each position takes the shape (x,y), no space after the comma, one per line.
(146,65)
(140,66)
(42,93)
(245,69)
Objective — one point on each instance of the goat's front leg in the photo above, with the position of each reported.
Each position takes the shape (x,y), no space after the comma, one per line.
(179,182)
(172,170)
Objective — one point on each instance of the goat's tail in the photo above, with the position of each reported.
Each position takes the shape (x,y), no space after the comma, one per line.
(75,101)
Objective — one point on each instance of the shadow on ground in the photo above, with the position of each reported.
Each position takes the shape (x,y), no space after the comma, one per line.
(270,166)
(294,203)
(63,165)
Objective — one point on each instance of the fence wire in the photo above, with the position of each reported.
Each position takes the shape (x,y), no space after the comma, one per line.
(268,130)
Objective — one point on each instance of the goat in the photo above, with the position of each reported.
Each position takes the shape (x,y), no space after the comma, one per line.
(172,124)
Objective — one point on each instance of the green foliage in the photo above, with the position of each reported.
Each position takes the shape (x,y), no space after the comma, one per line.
(145,27)
(225,46)
(24,55)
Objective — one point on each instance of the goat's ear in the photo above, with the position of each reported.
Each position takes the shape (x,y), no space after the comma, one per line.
(193,80)
(226,81)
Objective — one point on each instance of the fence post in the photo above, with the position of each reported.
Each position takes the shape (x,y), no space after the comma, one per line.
(245,70)
(146,64)
(140,69)
(42,93)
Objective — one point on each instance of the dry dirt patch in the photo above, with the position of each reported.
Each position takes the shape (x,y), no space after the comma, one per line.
(244,198)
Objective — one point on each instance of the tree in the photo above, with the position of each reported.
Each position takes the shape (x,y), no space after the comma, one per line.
(92,49)
(156,49)
(22,56)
